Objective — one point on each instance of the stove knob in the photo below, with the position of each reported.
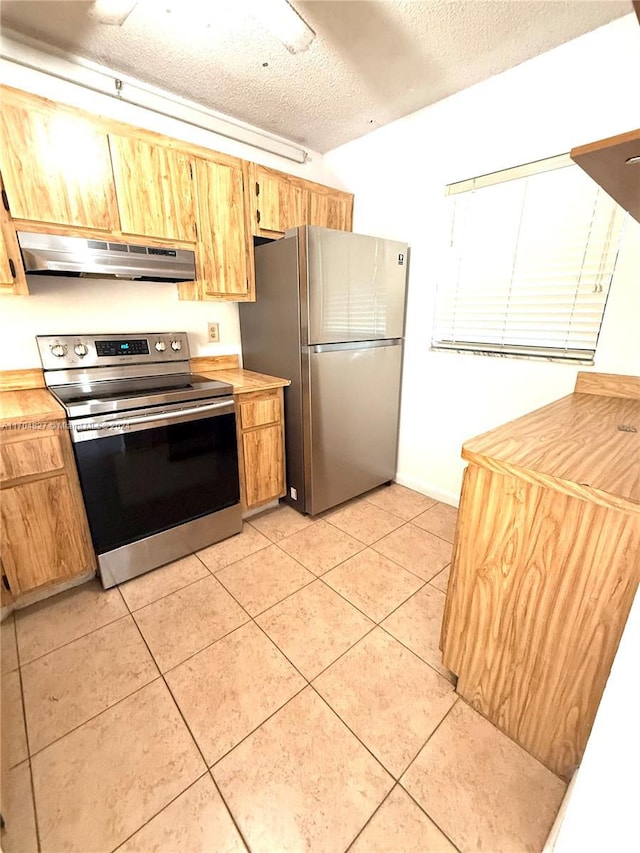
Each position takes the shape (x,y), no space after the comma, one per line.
(80,349)
(59,350)
(161,346)
(176,346)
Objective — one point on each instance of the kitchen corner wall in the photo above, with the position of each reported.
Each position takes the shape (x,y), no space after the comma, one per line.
(71,305)
(580,92)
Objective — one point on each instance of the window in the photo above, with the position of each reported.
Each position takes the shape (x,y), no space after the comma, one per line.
(531,257)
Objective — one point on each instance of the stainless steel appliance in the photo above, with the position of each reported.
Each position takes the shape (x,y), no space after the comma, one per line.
(330,316)
(155,446)
(49,254)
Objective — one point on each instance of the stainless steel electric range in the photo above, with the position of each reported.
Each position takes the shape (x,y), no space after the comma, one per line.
(154,443)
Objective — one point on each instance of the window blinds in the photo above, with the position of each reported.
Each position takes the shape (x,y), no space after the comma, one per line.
(531,257)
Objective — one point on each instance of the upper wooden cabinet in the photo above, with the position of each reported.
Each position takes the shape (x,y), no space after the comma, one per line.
(154,186)
(331,209)
(72,173)
(12,277)
(55,165)
(607,162)
(279,201)
(225,263)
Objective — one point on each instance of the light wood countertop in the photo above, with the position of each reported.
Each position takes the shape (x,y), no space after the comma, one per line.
(33,405)
(574,445)
(244,381)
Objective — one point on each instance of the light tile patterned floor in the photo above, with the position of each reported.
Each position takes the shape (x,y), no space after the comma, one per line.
(280,691)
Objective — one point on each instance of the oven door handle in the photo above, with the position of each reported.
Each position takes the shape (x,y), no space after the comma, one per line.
(97,428)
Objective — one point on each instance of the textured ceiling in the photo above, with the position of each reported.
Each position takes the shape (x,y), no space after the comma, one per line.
(371,62)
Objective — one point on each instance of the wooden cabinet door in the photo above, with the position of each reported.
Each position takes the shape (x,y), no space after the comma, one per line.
(154,186)
(12,277)
(280,201)
(331,209)
(263,455)
(225,256)
(56,166)
(41,541)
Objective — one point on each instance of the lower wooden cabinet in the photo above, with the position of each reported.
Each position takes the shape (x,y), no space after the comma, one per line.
(260,425)
(45,535)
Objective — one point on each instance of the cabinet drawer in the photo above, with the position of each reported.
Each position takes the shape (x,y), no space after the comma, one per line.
(37,455)
(254,413)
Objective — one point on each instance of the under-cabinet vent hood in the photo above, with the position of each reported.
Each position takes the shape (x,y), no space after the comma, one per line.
(48,254)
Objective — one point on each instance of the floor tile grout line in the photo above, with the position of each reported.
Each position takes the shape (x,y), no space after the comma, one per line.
(214,572)
(510,738)
(413,760)
(189,786)
(244,840)
(288,595)
(259,726)
(173,592)
(372,815)
(369,544)
(81,637)
(206,763)
(424,811)
(411,571)
(167,594)
(409,649)
(337,713)
(197,746)
(404,601)
(356,736)
(397,514)
(94,716)
(26,735)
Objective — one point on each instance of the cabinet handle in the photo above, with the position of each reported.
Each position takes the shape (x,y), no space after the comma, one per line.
(5,582)
(12,268)
(257,188)
(258,216)
(5,201)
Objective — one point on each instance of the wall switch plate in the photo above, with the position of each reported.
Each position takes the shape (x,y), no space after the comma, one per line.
(214,333)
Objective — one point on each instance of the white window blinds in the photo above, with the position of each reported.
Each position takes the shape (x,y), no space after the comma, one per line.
(531,257)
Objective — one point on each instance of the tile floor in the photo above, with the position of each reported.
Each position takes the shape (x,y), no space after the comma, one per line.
(279,691)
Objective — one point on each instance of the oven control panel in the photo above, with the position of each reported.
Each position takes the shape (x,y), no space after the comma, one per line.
(64,352)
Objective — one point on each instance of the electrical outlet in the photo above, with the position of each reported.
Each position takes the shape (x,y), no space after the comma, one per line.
(214,333)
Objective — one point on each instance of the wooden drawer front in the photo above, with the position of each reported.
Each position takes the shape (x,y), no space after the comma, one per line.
(31,456)
(255,413)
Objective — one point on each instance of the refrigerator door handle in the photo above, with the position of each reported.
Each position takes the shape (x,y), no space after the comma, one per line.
(388,342)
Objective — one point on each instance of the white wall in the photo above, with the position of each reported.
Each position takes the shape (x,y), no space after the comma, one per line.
(580,92)
(62,305)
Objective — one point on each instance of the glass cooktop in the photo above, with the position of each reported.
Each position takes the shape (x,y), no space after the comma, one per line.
(92,397)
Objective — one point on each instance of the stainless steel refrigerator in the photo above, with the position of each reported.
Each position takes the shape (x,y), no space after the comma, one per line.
(329,316)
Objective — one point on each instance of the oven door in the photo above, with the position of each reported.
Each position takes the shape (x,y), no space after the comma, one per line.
(147,471)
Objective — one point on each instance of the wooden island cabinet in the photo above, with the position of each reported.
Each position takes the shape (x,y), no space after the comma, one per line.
(546,564)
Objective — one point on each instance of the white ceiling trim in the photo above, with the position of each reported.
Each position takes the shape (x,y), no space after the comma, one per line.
(32,54)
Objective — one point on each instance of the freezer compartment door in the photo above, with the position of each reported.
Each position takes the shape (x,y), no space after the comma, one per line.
(354,410)
(355,287)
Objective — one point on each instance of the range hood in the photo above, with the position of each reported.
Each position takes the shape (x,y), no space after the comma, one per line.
(48,254)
